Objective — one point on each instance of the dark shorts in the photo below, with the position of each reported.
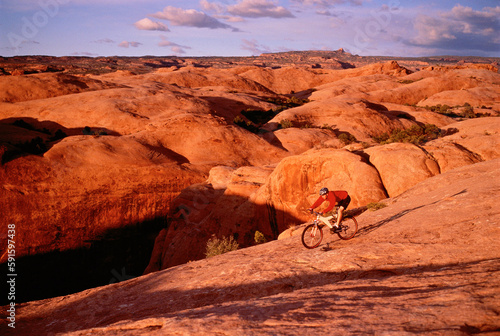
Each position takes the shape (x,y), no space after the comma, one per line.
(345,202)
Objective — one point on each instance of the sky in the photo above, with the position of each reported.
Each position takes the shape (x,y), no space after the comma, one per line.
(248,27)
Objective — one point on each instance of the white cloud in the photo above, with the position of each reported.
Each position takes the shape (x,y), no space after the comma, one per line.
(212,7)
(328,3)
(324,12)
(461,29)
(148,24)
(254,47)
(29,5)
(176,48)
(104,40)
(126,44)
(190,18)
(259,8)
(84,53)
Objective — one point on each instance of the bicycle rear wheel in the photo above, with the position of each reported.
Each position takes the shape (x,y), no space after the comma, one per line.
(349,227)
(312,236)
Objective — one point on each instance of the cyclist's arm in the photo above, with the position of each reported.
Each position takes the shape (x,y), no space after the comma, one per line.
(316,204)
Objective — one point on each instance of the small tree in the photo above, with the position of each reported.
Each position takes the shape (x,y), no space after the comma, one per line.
(347,138)
(216,246)
(259,237)
(285,123)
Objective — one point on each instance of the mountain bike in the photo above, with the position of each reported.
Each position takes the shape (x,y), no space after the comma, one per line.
(313,233)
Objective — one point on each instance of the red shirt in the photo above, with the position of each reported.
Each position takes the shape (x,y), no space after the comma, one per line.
(333,197)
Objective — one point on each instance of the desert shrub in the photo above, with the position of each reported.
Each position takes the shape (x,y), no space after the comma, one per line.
(467,111)
(259,238)
(87,131)
(416,135)
(307,125)
(294,101)
(248,125)
(374,206)
(238,120)
(288,102)
(258,116)
(285,123)
(347,138)
(216,246)
(409,81)
(34,146)
(23,124)
(60,134)
(365,144)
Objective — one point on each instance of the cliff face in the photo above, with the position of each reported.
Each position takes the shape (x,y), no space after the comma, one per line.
(426,263)
(94,164)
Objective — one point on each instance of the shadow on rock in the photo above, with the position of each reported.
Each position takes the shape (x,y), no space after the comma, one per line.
(28,136)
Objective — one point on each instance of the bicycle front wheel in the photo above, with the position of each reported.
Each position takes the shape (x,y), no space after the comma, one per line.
(312,236)
(349,227)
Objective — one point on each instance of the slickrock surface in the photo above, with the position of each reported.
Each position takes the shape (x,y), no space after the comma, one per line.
(120,163)
(271,205)
(427,264)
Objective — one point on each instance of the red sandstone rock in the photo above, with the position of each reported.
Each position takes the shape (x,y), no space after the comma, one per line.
(480,136)
(427,263)
(171,128)
(298,140)
(401,166)
(358,117)
(40,86)
(292,79)
(85,186)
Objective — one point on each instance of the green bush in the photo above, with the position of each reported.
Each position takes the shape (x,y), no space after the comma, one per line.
(216,246)
(467,111)
(374,206)
(60,134)
(294,101)
(259,116)
(347,138)
(259,237)
(248,125)
(416,135)
(285,123)
(34,146)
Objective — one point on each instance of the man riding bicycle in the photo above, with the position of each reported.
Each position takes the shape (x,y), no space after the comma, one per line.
(340,197)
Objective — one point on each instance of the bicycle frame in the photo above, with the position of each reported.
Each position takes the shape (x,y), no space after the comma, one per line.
(323,219)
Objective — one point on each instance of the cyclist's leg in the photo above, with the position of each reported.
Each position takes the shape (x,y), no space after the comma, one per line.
(326,220)
(340,213)
(341,207)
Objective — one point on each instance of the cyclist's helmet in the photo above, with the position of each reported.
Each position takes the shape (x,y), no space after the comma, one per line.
(323,191)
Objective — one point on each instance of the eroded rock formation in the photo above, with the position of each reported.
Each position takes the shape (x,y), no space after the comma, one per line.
(420,265)
(185,152)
